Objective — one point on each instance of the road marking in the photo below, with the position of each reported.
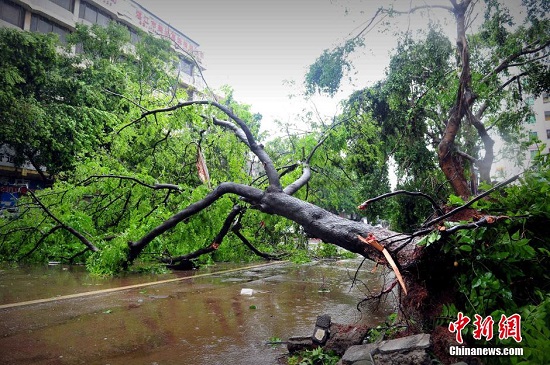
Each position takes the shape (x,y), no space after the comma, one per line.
(103,291)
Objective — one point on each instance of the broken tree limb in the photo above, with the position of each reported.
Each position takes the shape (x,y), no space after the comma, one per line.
(371,240)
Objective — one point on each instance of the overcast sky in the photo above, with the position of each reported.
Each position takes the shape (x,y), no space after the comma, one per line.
(255,45)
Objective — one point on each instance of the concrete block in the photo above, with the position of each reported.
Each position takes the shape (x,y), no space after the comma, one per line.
(409,343)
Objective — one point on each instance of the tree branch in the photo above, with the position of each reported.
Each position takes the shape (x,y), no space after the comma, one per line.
(306,173)
(435,206)
(382,292)
(215,243)
(39,242)
(480,196)
(245,191)
(121,177)
(484,164)
(69,229)
(257,149)
(236,130)
(237,231)
(466,156)
(80,253)
(506,63)
(387,12)
(164,201)
(122,211)
(300,182)
(484,221)
(125,98)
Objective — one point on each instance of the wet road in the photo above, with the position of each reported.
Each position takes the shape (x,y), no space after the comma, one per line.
(199,320)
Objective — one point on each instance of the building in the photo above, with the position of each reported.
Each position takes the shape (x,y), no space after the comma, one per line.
(61,17)
(537,126)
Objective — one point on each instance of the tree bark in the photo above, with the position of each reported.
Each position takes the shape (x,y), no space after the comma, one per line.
(337,230)
(484,165)
(449,161)
(316,222)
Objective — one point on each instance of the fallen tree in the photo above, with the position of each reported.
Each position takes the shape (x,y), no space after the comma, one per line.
(420,267)
(279,200)
(456,260)
(111,186)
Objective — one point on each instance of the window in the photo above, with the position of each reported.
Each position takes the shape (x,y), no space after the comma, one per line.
(548,134)
(185,66)
(545,98)
(134,36)
(533,135)
(531,119)
(547,116)
(65,4)
(103,19)
(529,100)
(93,15)
(42,25)
(12,13)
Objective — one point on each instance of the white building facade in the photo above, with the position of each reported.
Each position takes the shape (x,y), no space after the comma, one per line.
(537,126)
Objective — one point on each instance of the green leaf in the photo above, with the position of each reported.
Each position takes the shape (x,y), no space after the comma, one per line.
(455,200)
(465,248)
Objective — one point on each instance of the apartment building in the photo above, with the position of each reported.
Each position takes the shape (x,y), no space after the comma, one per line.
(61,17)
(538,123)
(537,126)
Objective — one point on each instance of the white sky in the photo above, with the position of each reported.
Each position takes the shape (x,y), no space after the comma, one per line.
(255,45)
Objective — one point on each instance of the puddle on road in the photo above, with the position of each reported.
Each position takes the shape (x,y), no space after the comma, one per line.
(25,283)
(204,320)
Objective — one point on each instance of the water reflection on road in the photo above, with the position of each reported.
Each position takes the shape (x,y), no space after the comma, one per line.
(203,320)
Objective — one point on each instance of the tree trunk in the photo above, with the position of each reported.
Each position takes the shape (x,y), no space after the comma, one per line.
(316,222)
(337,230)
(449,161)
